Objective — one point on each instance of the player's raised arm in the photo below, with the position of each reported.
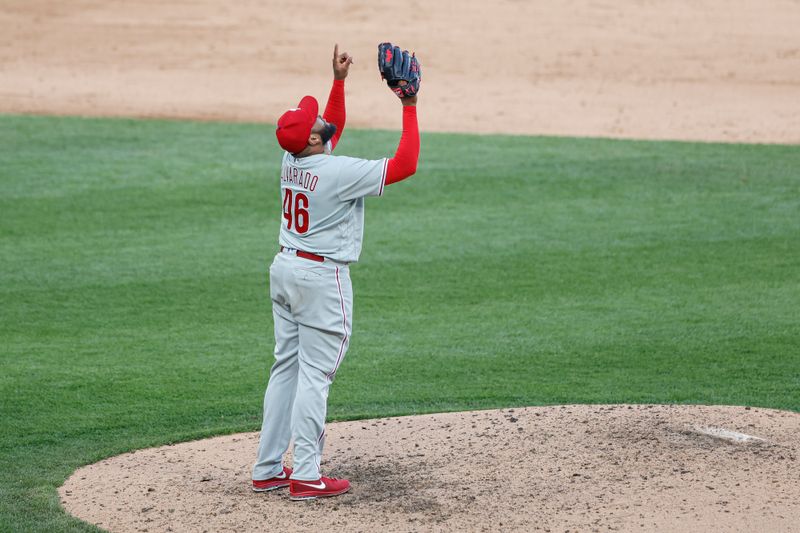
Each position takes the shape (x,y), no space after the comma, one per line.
(403,74)
(404,162)
(335,109)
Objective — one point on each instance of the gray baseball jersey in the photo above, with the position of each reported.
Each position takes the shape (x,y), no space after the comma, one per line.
(323,203)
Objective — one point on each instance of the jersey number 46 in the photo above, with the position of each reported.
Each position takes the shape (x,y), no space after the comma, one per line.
(295,211)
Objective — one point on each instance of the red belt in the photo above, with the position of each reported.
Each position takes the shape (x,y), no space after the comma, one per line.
(307,255)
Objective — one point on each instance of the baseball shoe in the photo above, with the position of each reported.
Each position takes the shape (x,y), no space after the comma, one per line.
(278,482)
(324,487)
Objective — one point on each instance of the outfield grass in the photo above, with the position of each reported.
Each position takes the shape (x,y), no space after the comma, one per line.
(510,271)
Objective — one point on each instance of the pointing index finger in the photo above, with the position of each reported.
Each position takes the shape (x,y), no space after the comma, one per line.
(336,51)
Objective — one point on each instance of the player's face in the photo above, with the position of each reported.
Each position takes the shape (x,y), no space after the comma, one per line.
(319,125)
(324,129)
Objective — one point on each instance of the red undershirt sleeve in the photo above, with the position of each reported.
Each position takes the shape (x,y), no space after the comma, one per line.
(404,162)
(335,110)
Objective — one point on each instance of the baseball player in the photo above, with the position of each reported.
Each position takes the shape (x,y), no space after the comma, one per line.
(312,299)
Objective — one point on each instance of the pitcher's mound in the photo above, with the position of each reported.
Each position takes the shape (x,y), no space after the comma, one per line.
(580,467)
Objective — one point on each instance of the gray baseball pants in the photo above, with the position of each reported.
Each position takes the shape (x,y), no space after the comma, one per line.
(312,305)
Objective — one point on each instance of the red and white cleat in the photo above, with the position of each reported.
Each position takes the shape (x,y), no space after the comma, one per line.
(324,487)
(278,482)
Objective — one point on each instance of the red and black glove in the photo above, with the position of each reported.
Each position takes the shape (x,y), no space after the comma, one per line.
(400,69)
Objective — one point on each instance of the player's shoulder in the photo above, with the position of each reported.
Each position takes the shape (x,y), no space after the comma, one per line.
(348,161)
(343,159)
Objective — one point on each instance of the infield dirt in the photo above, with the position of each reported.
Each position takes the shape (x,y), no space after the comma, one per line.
(708,70)
(684,69)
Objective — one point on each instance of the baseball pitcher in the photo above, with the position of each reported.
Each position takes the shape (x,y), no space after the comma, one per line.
(321,232)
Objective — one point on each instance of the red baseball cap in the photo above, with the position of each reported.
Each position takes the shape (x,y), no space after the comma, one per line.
(294,126)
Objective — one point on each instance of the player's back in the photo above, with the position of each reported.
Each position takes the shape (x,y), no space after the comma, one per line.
(323,203)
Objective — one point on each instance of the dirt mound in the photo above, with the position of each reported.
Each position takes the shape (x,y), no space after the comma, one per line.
(685,69)
(585,468)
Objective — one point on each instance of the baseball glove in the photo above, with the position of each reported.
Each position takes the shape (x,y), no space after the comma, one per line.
(400,69)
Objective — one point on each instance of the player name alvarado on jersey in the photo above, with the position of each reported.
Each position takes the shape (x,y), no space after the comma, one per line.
(303,178)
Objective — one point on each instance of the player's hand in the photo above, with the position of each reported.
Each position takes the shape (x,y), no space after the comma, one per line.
(341,63)
(408,100)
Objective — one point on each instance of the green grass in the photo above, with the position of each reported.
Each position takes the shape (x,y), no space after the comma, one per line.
(510,271)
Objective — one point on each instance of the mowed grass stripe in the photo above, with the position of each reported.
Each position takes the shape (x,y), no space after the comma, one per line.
(510,271)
